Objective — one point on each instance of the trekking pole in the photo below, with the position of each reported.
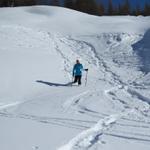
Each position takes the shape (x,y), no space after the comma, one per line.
(86,76)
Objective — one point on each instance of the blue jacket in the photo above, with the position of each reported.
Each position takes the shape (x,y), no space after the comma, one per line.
(77,70)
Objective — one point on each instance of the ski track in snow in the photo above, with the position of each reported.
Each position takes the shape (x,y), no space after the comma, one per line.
(88,138)
(9,105)
(71,102)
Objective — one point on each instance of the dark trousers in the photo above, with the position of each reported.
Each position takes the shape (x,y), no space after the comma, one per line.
(77,79)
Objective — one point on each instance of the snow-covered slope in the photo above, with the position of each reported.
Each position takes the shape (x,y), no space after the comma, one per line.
(38,108)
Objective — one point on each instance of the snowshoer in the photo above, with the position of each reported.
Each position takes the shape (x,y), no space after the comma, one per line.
(77,72)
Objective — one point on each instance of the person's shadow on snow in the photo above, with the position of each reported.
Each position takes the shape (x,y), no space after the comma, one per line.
(54,84)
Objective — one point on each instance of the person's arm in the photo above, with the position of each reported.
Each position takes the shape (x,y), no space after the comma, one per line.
(83,68)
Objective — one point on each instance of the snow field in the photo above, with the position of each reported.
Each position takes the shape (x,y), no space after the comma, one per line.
(38,110)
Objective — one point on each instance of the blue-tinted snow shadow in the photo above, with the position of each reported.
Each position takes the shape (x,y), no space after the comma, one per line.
(142,49)
(53,84)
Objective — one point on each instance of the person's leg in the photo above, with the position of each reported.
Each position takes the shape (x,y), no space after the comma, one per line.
(75,79)
(79,80)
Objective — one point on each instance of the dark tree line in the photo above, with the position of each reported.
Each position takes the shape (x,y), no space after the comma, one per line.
(87,6)
(13,3)
(92,7)
(55,3)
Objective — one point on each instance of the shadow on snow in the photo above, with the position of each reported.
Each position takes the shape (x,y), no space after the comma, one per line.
(142,48)
(54,84)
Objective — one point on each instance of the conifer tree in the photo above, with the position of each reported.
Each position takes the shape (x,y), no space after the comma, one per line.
(124,9)
(147,9)
(116,10)
(87,6)
(55,3)
(101,9)
(6,3)
(110,8)
(69,4)
(137,10)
